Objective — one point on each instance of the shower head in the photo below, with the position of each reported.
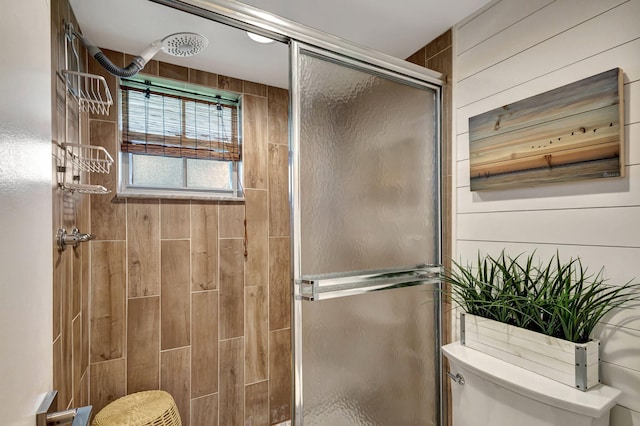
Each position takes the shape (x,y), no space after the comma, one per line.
(184,44)
(178,44)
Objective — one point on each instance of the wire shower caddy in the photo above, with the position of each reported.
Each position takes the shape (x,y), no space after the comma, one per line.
(91,95)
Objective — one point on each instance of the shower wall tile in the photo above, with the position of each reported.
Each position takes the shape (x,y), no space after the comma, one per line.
(66,337)
(251,88)
(441,62)
(232,220)
(61,277)
(204,246)
(204,411)
(278,190)
(76,358)
(231,396)
(107,300)
(108,381)
(229,83)
(173,273)
(256,334)
(58,371)
(76,279)
(203,78)
(143,247)
(231,288)
(174,219)
(204,343)
(84,315)
(419,57)
(176,292)
(439,44)
(58,123)
(280,375)
(175,378)
(143,344)
(257,404)
(175,72)
(279,283)
(257,238)
(278,112)
(108,216)
(84,390)
(254,149)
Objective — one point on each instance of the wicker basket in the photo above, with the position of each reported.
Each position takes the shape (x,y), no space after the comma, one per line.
(149,408)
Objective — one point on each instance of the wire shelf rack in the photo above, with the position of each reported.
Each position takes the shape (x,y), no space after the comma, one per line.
(90,90)
(85,188)
(89,158)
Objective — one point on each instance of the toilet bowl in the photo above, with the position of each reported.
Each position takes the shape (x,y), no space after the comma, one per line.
(496,393)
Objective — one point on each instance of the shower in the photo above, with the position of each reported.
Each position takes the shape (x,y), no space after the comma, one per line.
(182,44)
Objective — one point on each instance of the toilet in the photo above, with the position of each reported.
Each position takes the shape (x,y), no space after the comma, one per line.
(487,391)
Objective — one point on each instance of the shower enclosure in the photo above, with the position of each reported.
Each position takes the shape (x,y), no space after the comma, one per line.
(365,205)
(366,242)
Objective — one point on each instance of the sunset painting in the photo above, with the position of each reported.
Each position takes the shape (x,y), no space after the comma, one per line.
(570,133)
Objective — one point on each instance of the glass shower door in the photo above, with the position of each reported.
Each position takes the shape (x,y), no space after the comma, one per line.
(366,224)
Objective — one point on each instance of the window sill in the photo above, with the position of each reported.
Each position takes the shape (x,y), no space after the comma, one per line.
(176,195)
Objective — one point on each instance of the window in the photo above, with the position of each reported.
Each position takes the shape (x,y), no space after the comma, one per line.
(179,140)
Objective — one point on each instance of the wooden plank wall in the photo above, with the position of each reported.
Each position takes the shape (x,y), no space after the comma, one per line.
(175,304)
(514,49)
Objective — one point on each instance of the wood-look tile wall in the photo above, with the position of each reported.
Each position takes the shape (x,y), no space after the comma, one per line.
(438,56)
(175,303)
(70,267)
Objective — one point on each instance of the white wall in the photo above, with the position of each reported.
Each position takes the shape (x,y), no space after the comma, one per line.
(25,209)
(514,49)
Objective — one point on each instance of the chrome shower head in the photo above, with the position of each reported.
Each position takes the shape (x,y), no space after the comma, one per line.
(184,44)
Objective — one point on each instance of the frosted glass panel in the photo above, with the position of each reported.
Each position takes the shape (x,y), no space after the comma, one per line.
(368,359)
(369,200)
(208,174)
(368,170)
(155,171)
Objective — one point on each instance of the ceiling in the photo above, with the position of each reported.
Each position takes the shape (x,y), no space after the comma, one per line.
(397,28)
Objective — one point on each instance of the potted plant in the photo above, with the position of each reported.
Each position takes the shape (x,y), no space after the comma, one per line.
(537,316)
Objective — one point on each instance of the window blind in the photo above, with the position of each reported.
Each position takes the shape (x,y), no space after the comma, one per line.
(156,123)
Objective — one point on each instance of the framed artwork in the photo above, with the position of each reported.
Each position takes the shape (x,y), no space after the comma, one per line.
(570,133)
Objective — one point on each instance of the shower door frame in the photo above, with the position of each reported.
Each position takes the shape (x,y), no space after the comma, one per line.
(340,58)
(248,18)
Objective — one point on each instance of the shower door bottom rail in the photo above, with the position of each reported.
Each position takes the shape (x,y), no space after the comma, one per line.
(328,286)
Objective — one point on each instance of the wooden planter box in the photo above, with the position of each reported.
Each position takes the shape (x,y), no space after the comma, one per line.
(574,364)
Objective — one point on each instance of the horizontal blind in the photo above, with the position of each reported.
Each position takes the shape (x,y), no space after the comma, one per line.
(156,123)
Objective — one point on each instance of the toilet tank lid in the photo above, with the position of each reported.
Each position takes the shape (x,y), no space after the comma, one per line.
(594,403)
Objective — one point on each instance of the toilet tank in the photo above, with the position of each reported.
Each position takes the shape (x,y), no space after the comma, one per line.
(496,393)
